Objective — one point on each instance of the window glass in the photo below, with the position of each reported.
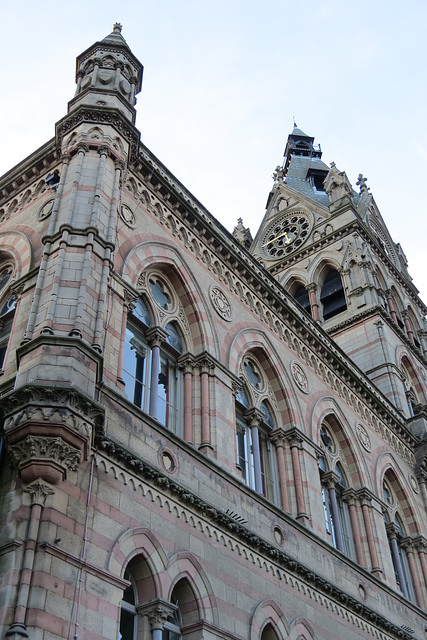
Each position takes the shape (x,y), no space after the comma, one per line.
(268,418)
(332,295)
(174,339)
(141,312)
(160,295)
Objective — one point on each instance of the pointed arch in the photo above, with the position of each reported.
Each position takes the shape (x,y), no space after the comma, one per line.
(268,622)
(187,574)
(141,254)
(140,543)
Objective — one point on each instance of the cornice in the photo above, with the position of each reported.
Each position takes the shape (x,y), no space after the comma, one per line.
(238,531)
(100,115)
(32,168)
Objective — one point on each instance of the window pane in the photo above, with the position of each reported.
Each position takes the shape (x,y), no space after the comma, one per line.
(134,369)
(127,625)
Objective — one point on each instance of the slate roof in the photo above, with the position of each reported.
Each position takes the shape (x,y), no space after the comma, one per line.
(296,177)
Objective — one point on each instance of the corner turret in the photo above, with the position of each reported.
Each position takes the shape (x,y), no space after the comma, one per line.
(108,75)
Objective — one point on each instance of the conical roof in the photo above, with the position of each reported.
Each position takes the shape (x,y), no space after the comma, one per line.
(298,132)
(115,37)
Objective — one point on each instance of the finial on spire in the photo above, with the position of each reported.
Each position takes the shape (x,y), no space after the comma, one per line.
(361,182)
(117,27)
(295,124)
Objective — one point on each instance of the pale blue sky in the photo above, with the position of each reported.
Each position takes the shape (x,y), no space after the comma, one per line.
(222,83)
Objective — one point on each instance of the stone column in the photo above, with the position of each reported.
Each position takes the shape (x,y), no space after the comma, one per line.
(391,306)
(408,545)
(186,362)
(392,532)
(205,366)
(408,327)
(350,497)
(38,492)
(155,337)
(295,443)
(312,288)
(254,418)
(158,612)
(420,544)
(279,440)
(366,505)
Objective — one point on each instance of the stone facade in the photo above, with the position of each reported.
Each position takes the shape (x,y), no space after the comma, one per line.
(204,435)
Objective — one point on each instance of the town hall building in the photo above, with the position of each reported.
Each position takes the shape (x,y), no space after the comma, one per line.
(204,434)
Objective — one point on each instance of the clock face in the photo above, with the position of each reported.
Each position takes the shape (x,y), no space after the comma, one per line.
(285,235)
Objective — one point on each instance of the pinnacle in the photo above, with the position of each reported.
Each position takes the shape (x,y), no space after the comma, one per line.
(115,37)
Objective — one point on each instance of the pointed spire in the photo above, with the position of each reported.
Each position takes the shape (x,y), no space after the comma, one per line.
(115,37)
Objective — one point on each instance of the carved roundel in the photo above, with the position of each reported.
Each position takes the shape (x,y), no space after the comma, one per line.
(128,216)
(414,484)
(300,378)
(363,436)
(45,210)
(286,234)
(221,303)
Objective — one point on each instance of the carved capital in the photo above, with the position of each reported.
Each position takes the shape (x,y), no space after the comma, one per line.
(186,363)
(104,150)
(83,147)
(119,164)
(392,530)
(254,417)
(156,336)
(39,491)
(278,438)
(330,479)
(44,457)
(158,611)
(312,286)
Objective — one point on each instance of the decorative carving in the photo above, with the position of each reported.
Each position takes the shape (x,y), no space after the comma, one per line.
(49,458)
(363,436)
(414,484)
(300,377)
(128,216)
(39,492)
(221,303)
(45,210)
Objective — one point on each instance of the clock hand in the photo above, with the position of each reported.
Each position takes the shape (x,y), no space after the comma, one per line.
(276,238)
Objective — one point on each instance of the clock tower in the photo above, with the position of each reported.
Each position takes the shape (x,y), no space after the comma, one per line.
(329,246)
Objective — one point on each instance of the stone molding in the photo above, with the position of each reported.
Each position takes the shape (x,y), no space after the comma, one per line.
(100,115)
(48,430)
(293,571)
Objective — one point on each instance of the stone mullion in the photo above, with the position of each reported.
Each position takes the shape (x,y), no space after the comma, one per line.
(330,480)
(295,443)
(422,482)
(155,338)
(46,253)
(107,259)
(38,492)
(409,548)
(279,440)
(366,503)
(127,308)
(254,418)
(12,329)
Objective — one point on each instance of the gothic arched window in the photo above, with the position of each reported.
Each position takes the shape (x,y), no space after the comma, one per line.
(332,295)
(396,537)
(334,485)
(128,616)
(302,297)
(254,423)
(7,311)
(150,370)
